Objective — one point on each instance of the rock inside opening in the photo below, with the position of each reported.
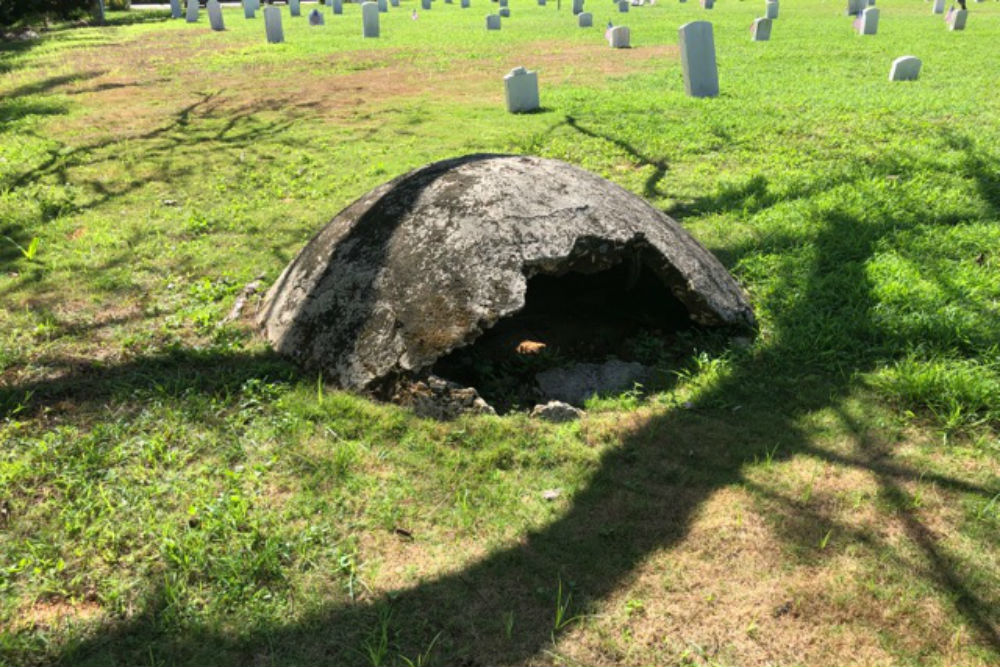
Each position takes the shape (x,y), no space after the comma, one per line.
(586,316)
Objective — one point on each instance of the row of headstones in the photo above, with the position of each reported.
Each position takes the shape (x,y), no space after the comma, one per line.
(867,15)
(698,63)
(697,46)
(369,18)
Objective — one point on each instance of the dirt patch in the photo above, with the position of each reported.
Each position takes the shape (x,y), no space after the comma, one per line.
(47,614)
(358,82)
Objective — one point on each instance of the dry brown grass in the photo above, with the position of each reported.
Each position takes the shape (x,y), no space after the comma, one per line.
(51,614)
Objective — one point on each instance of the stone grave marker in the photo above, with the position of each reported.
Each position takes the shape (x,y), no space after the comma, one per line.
(585,19)
(425,4)
(854,7)
(905,68)
(707,4)
(294,8)
(383,6)
(248,10)
(100,12)
(623,6)
(369,19)
(867,23)
(937,7)
(618,37)
(215,15)
(272,24)
(521,90)
(701,75)
(541,3)
(956,19)
(504,12)
(503,3)
(394,3)
(315,18)
(175,9)
(192,11)
(493,22)
(464,4)
(577,6)
(337,7)
(771,9)
(761,29)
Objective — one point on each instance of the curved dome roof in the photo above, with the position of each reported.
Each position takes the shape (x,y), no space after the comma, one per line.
(425,263)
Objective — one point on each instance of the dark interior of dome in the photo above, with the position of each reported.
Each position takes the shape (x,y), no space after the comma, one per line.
(623,312)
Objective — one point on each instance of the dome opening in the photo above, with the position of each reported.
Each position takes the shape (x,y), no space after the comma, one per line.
(623,312)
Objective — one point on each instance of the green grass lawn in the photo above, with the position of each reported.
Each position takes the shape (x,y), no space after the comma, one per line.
(171,492)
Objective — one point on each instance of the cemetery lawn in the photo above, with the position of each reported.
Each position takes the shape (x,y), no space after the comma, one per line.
(827,493)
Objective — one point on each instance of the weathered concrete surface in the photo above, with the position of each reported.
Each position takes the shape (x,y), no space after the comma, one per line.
(556,412)
(424,264)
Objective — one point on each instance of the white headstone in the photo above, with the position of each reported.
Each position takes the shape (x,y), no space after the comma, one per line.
(761,29)
(272,24)
(383,6)
(905,68)
(504,12)
(248,10)
(938,7)
(493,22)
(623,6)
(869,21)
(585,19)
(701,76)
(294,8)
(577,6)
(618,37)
(315,18)
(957,19)
(215,15)
(369,19)
(192,11)
(771,9)
(338,6)
(175,9)
(521,88)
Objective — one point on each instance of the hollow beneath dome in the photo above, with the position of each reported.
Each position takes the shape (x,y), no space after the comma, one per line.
(623,312)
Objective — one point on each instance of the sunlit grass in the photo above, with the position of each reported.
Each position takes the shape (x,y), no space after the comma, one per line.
(171,492)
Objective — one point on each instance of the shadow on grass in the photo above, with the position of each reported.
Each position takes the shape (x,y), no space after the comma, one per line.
(177,373)
(650,188)
(641,499)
